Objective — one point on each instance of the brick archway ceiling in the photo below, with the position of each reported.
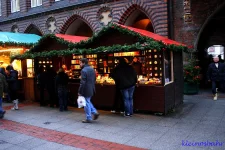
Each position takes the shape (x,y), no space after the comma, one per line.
(70,21)
(32,29)
(214,32)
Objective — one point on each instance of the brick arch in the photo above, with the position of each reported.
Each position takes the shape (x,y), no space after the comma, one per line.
(131,7)
(70,19)
(32,25)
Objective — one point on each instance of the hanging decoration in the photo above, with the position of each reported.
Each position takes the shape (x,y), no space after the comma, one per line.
(143,43)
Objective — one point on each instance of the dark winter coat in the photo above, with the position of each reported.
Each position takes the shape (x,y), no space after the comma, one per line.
(216,74)
(124,76)
(12,80)
(137,67)
(87,81)
(61,79)
(3,84)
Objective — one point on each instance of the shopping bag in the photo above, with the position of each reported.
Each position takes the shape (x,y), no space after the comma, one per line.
(81,102)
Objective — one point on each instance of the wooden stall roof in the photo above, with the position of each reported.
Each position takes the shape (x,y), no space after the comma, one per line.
(51,42)
(72,38)
(9,40)
(152,35)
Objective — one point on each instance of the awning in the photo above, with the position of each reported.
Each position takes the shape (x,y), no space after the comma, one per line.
(72,38)
(152,35)
(8,37)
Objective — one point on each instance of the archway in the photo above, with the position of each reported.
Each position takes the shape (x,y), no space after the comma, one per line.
(212,34)
(78,27)
(32,29)
(140,20)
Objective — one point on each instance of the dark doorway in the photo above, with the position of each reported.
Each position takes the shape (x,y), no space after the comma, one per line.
(139,20)
(211,41)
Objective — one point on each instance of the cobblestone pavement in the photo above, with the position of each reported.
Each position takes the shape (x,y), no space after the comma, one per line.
(197,124)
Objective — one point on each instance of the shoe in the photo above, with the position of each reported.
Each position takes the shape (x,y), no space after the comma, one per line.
(14,108)
(2,115)
(126,115)
(122,112)
(86,121)
(96,116)
(113,111)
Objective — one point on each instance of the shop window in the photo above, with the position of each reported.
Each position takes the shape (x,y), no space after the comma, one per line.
(168,66)
(15,6)
(30,67)
(35,3)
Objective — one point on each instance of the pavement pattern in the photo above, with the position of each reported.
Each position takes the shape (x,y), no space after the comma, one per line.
(198,124)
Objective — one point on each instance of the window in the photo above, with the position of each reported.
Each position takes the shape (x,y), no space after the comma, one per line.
(168,67)
(15,5)
(35,3)
(57,0)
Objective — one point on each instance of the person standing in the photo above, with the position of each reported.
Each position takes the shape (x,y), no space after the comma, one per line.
(50,85)
(3,88)
(61,83)
(137,65)
(216,75)
(41,79)
(13,85)
(87,90)
(125,78)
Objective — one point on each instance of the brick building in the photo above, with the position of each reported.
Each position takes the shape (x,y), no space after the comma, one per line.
(198,23)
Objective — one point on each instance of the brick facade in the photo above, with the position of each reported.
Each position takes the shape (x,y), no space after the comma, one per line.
(66,11)
(201,10)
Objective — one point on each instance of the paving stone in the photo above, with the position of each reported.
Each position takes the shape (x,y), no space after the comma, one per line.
(49,146)
(4,145)
(32,143)
(18,139)
(7,134)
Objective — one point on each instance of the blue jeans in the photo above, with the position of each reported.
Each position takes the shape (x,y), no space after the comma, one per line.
(216,84)
(128,100)
(1,109)
(89,108)
(62,93)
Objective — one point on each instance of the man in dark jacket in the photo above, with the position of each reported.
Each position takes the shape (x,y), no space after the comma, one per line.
(12,79)
(126,78)
(61,88)
(87,89)
(216,75)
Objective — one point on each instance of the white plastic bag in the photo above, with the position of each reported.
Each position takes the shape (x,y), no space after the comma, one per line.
(81,102)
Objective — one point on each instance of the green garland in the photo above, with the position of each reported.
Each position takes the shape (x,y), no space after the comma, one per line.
(111,49)
(15,44)
(144,43)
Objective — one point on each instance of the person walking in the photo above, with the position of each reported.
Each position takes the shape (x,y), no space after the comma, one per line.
(61,83)
(125,78)
(216,75)
(87,90)
(3,88)
(12,80)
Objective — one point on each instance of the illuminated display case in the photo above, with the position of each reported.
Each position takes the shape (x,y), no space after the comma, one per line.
(75,65)
(45,62)
(151,65)
(92,59)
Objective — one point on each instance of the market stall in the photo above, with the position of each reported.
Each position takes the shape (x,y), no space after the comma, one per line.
(17,44)
(158,62)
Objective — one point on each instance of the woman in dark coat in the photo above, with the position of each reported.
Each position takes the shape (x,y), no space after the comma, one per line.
(61,83)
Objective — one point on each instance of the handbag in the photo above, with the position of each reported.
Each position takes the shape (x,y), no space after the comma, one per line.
(81,101)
